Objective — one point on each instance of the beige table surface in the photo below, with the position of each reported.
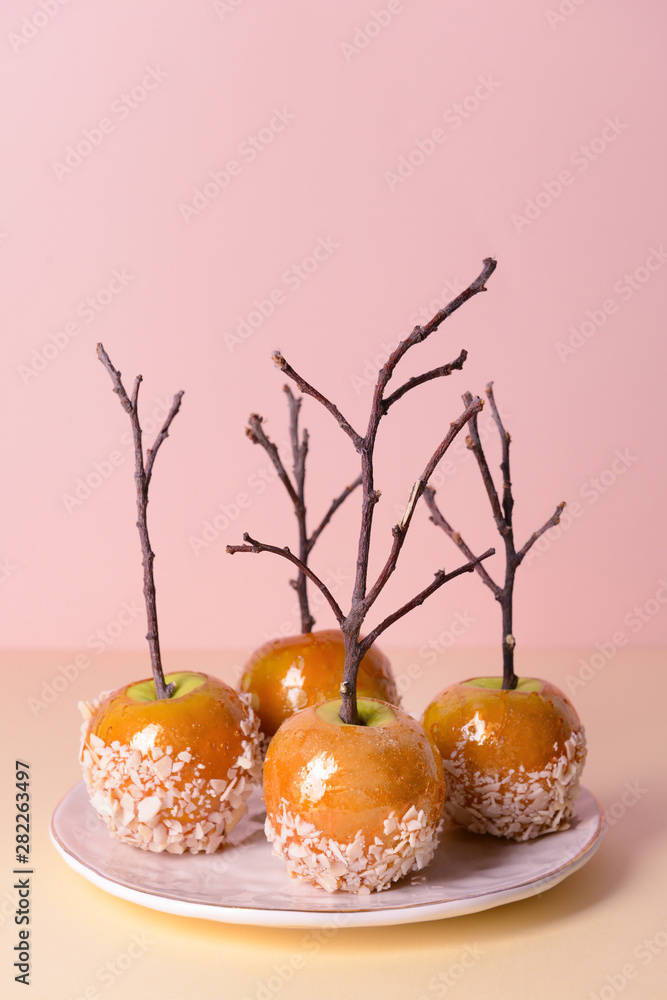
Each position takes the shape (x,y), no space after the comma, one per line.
(600,933)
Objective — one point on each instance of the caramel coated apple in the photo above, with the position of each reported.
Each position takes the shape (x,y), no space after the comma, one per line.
(171,774)
(353,807)
(285,675)
(513,759)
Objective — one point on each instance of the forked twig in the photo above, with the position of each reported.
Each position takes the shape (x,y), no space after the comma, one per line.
(362,596)
(142,475)
(503,518)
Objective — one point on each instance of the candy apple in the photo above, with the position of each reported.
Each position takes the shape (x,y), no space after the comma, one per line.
(168,763)
(353,786)
(353,807)
(288,674)
(512,758)
(170,774)
(513,749)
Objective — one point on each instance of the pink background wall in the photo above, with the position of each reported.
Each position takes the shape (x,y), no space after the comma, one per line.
(561,106)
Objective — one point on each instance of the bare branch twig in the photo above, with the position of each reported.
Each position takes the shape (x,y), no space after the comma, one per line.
(164,433)
(552,522)
(440,578)
(411,383)
(252,545)
(142,477)
(438,518)
(335,504)
(308,389)
(503,519)
(400,530)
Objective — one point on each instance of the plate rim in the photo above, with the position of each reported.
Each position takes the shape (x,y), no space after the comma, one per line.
(413,912)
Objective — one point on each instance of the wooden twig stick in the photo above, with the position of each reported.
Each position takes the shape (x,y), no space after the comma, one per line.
(441,577)
(142,475)
(309,390)
(503,518)
(437,518)
(335,504)
(252,545)
(296,491)
(399,531)
(363,598)
(411,383)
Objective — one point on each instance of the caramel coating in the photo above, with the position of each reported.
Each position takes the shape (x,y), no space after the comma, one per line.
(519,727)
(288,674)
(206,721)
(344,779)
(171,775)
(512,758)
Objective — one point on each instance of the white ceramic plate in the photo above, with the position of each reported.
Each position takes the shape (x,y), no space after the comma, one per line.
(245,884)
